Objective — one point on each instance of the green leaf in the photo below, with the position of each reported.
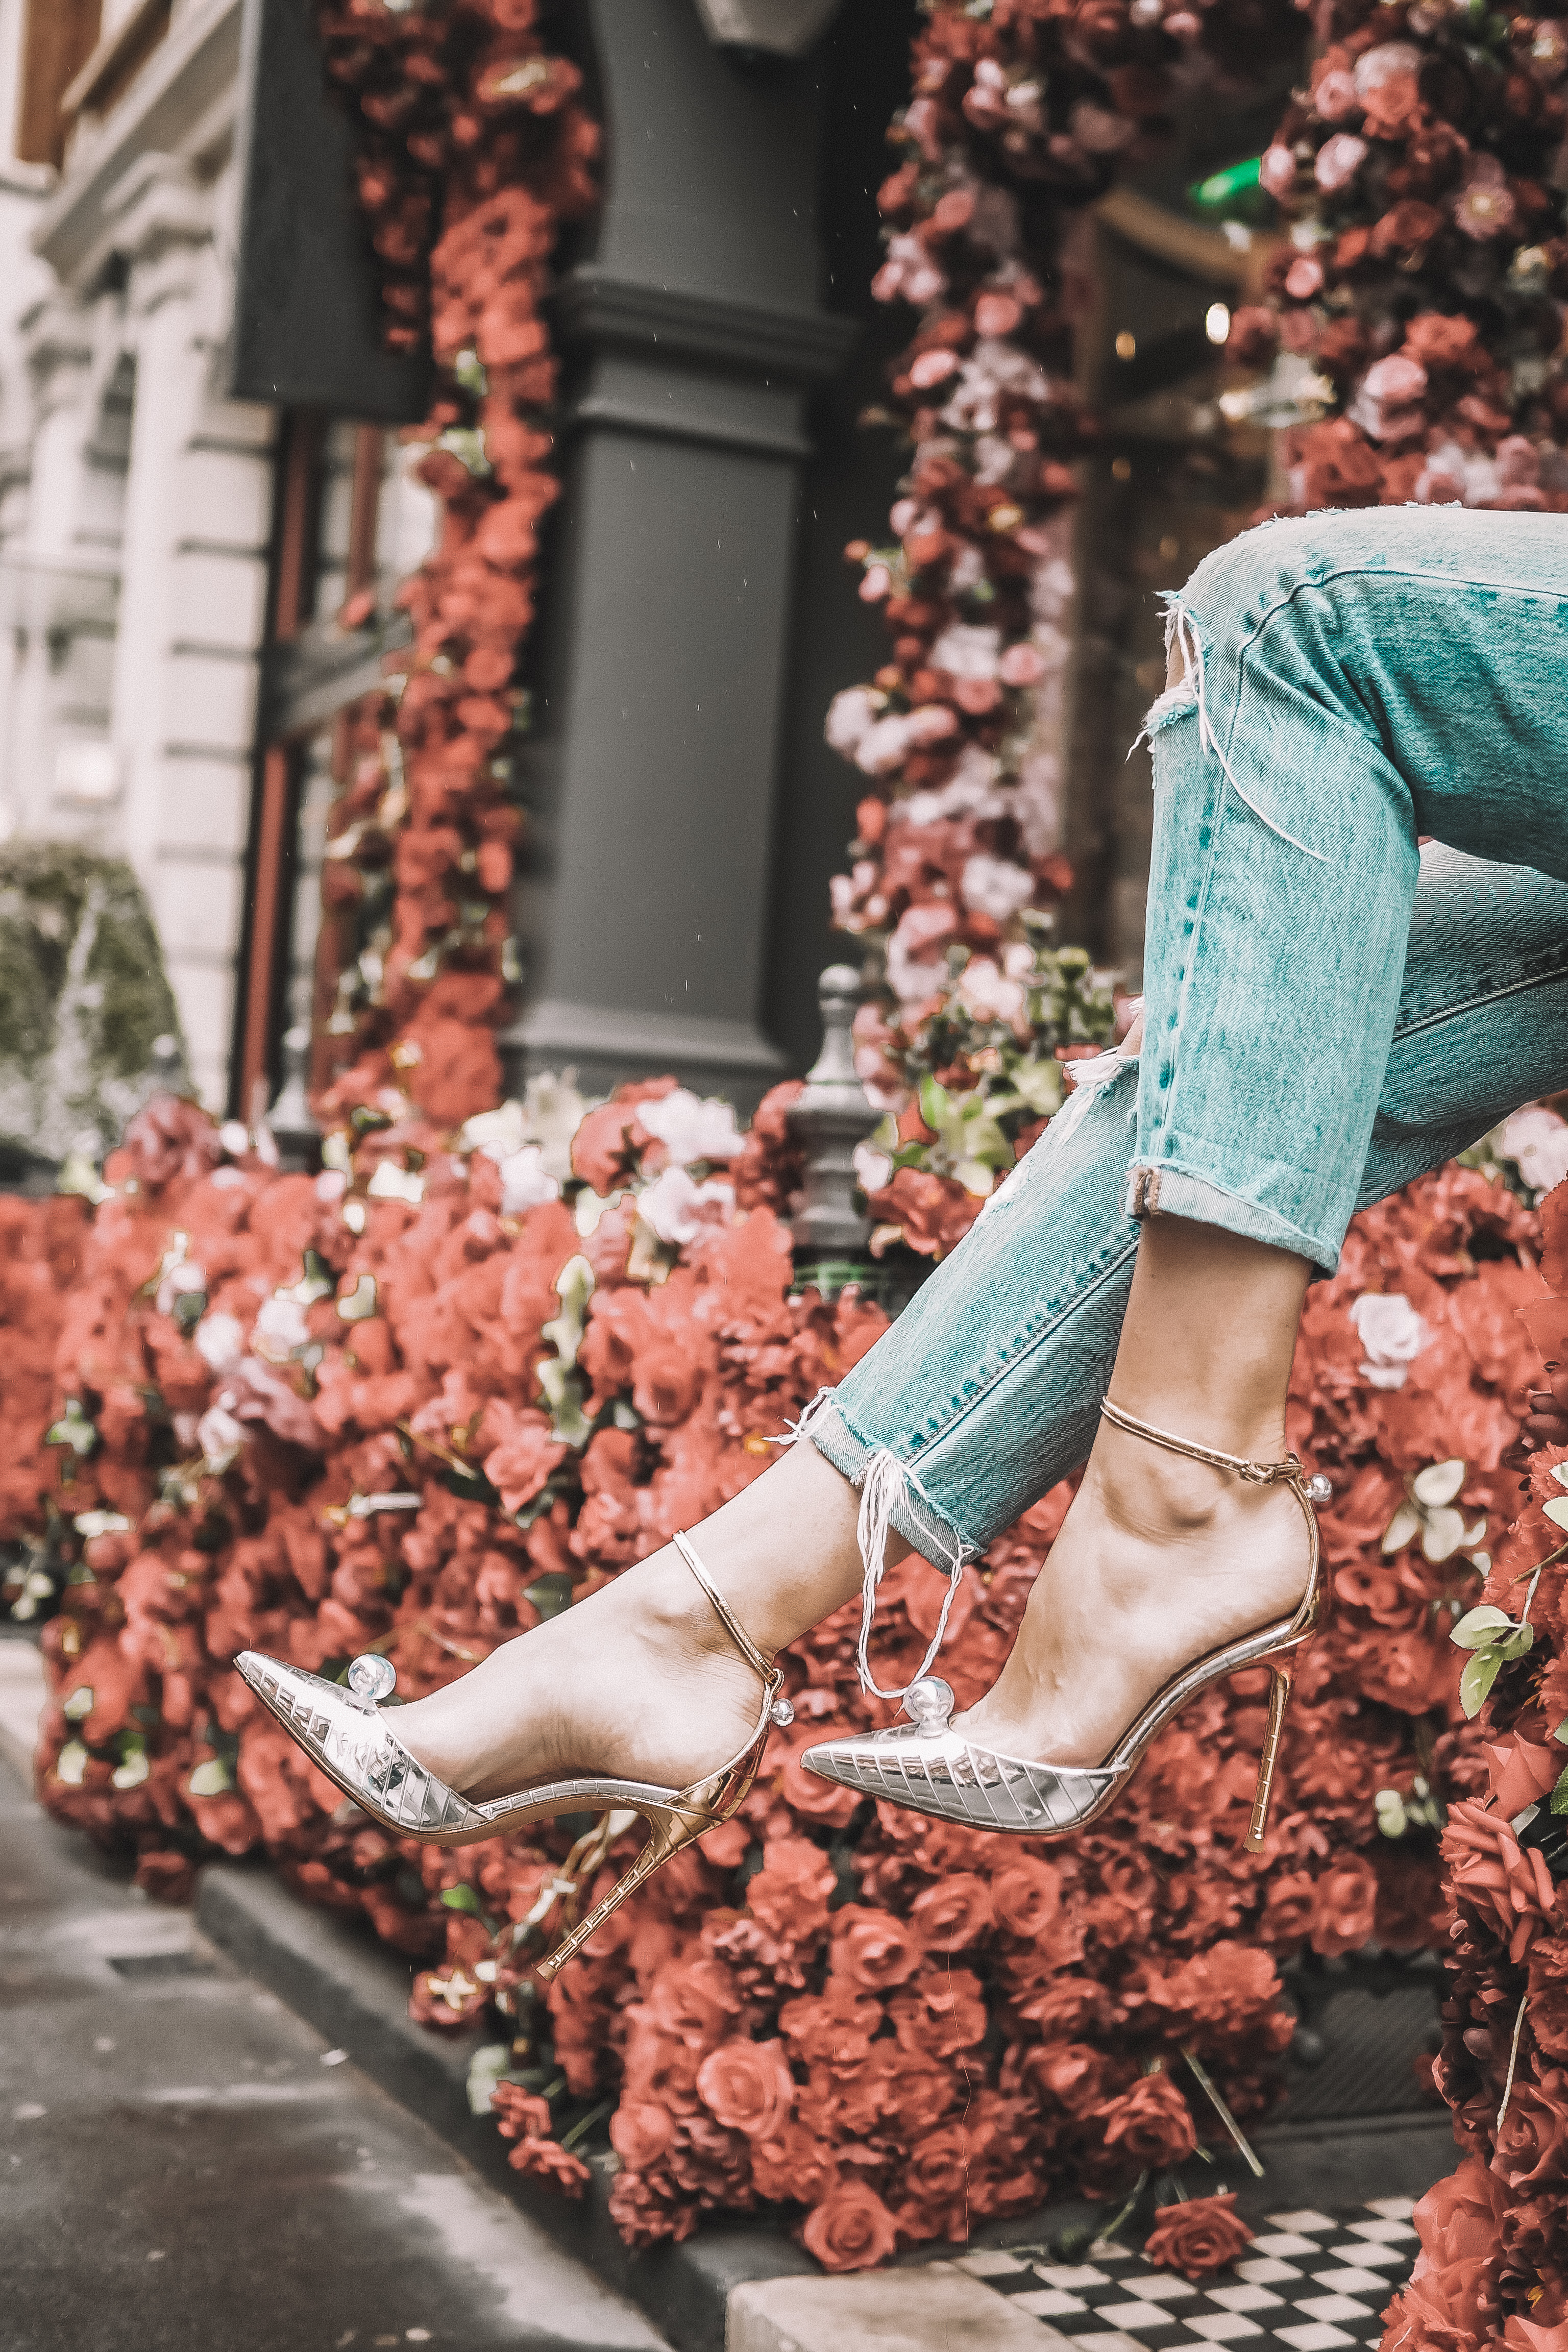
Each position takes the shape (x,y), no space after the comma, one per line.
(1475,1682)
(1438,1483)
(1560,1794)
(1480,1628)
(459,1898)
(1557,1510)
(1518,1645)
(936,1103)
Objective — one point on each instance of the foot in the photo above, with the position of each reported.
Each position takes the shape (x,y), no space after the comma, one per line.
(1160,1560)
(641,1681)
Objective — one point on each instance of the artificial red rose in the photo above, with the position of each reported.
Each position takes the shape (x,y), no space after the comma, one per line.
(1204,2235)
(1532,2140)
(640,2132)
(748,2086)
(667,1383)
(1025,1896)
(833,2028)
(953,1914)
(1549,2016)
(789,1894)
(528,1451)
(791,2168)
(1151,2124)
(940,2014)
(1344,1906)
(546,2159)
(937,2168)
(1509,1887)
(871,1949)
(850,2230)
(696,2000)
(1457,2222)
(1068,2074)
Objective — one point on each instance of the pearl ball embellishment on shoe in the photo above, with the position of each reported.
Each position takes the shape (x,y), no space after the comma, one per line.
(372,1679)
(929,1703)
(1318,1490)
(782,1713)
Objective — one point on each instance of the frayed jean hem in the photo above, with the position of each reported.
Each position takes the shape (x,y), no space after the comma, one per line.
(1163,1190)
(916,1518)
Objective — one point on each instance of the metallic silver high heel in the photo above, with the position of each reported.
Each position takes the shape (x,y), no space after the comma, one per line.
(931,1767)
(346,1735)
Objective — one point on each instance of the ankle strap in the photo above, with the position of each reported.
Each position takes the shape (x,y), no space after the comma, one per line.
(726,1616)
(1256,1474)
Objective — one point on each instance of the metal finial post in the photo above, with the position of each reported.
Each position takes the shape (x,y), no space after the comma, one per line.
(833,1116)
(290,1121)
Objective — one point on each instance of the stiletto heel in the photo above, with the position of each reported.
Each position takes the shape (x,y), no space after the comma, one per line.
(346,1735)
(932,1769)
(1278,1700)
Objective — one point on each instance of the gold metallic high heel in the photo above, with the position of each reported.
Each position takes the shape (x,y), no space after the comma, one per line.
(346,1735)
(930,1767)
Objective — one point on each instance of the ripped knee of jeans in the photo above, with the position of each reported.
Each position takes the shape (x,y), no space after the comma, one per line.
(1175,703)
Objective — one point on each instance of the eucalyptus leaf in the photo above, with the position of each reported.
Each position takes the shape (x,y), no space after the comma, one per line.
(1442,1535)
(1406,1523)
(1480,1628)
(1475,1682)
(1438,1483)
(1519,1646)
(1557,1511)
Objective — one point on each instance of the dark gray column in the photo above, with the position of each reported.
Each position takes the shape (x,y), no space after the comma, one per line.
(695,331)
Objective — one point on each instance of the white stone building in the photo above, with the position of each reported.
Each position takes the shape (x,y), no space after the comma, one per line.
(137,502)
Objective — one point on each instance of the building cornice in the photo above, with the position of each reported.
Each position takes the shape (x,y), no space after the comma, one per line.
(170,106)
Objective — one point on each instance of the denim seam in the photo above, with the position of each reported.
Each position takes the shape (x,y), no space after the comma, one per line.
(1161,1114)
(1021,1352)
(1475,1003)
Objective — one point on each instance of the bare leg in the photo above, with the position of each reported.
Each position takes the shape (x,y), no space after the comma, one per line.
(1161,1558)
(642,1680)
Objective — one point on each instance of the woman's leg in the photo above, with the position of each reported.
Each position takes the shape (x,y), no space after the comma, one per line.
(988,1388)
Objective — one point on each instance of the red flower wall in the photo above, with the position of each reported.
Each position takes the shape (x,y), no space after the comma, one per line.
(293,1434)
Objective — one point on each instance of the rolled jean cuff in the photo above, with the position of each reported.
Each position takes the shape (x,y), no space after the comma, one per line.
(913,1512)
(1166,1190)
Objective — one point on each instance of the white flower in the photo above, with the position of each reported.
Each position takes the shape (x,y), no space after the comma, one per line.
(985,992)
(910,978)
(1391,1333)
(220,1341)
(525,1181)
(177,1282)
(332,1184)
(885,746)
(677,1209)
(281,1326)
(966,651)
(219,1433)
(497,1133)
(873,1170)
(691,1129)
(849,715)
(996,886)
(1537,1140)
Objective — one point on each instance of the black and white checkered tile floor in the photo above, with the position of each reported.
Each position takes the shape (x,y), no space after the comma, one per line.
(1315,2281)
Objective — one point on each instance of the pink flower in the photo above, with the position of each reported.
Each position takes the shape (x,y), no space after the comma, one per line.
(1304,279)
(1484,207)
(1277,172)
(1339,159)
(1335,96)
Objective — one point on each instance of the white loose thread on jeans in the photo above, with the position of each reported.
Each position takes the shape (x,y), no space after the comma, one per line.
(886,1478)
(1180,626)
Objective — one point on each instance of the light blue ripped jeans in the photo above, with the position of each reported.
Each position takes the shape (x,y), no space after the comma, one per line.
(1329,1010)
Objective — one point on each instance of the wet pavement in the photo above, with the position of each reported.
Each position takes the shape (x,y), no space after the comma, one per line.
(185,2166)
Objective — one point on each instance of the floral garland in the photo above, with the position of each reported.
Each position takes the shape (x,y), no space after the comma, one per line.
(1414,315)
(474,149)
(1494,2262)
(463,1376)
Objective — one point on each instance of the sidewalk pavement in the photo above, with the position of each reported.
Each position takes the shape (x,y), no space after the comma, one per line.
(188,2167)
